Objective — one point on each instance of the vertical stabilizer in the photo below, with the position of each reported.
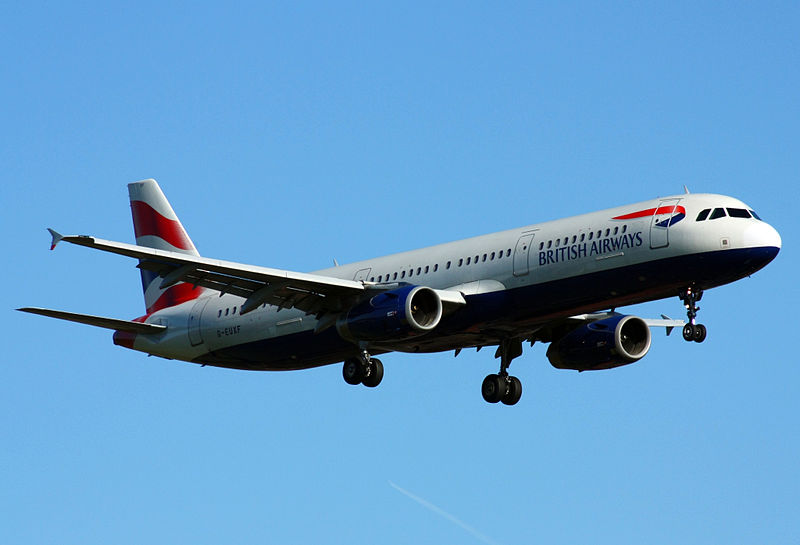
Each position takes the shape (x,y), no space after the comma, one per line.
(157,226)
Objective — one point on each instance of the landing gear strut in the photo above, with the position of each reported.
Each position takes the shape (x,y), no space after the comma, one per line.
(502,387)
(363,370)
(692,331)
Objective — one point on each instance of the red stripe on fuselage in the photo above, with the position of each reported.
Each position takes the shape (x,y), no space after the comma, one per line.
(672,209)
(147,221)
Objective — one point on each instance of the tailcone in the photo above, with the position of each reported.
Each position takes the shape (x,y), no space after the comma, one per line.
(124,339)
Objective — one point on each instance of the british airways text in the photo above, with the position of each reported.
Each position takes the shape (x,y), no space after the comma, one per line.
(593,248)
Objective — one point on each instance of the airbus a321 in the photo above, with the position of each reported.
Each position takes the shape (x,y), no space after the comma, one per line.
(550,282)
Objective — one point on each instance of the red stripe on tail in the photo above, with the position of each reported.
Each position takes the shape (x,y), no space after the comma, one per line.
(147,221)
(177,294)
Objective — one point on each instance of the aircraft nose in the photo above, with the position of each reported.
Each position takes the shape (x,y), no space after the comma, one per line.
(762,235)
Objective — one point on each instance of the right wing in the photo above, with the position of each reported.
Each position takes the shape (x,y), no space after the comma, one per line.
(311,293)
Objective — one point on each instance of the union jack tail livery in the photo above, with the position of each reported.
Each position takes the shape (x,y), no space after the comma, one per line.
(157,226)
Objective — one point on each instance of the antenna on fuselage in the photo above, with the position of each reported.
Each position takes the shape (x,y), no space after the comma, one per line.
(686,189)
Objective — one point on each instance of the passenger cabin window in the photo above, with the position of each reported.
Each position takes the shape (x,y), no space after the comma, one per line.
(738,213)
(703,215)
(448,266)
(624,228)
(718,213)
(508,252)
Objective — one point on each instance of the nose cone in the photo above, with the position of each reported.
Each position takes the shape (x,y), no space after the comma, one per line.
(762,235)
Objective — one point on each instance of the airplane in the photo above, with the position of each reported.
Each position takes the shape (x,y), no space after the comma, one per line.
(557,282)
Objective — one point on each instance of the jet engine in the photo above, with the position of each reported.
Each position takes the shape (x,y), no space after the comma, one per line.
(611,342)
(397,314)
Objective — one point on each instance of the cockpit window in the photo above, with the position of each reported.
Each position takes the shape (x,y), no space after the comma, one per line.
(755,215)
(703,215)
(718,213)
(738,213)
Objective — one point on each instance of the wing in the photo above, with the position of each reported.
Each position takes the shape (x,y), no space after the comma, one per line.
(311,293)
(555,328)
(97,321)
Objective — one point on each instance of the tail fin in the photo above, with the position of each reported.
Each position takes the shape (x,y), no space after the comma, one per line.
(157,226)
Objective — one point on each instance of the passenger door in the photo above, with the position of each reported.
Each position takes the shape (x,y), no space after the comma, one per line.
(521,253)
(659,225)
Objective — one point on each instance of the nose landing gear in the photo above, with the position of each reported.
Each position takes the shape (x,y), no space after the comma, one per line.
(692,331)
(502,387)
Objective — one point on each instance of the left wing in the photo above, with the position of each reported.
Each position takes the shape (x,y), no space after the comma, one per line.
(97,321)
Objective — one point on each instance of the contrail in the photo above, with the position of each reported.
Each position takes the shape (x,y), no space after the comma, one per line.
(428,505)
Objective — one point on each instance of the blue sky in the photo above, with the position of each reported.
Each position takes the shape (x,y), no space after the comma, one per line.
(289,136)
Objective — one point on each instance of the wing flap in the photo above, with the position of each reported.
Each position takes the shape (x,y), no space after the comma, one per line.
(97,321)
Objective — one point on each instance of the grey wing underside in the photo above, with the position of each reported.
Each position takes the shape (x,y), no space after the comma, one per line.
(311,293)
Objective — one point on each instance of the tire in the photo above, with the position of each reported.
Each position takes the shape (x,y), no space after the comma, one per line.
(688,332)
(493,388)
(514,391)
(353,371)
(699,333)
(375,374)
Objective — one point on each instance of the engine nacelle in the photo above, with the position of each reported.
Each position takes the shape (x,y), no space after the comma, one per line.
(611,342)
(397,314)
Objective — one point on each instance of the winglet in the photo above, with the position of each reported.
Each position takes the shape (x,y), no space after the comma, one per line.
(57,237)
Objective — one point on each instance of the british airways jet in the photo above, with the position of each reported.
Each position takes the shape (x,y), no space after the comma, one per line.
(550,282)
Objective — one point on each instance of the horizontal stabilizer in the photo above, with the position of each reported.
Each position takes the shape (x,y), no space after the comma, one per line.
(97,321)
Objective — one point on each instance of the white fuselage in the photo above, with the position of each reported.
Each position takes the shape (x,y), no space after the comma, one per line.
(512,280)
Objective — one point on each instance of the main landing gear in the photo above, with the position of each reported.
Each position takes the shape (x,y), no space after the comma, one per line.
(363,370)
(692,331)
(502,387)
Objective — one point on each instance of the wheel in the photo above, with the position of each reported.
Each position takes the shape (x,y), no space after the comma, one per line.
(493,388)
(374,373)
(514,391)
(688,332)
(699,333)
(353,371)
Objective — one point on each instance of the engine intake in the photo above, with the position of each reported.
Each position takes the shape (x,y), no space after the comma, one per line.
(604,344)
(397,314)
